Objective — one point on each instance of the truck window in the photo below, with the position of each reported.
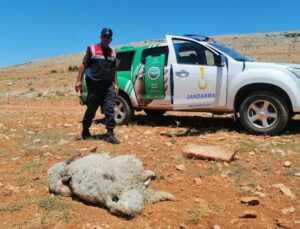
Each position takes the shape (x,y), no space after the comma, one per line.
(188,52)
(124,60)
(156,52)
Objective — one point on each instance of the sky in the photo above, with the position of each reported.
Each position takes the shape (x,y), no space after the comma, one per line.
(36,29)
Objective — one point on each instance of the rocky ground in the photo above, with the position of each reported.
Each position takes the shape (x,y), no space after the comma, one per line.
(40,124)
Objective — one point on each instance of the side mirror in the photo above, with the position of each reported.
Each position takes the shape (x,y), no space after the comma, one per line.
(221,61)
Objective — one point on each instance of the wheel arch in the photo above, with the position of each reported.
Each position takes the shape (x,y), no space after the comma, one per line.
(125,96)
(250,88)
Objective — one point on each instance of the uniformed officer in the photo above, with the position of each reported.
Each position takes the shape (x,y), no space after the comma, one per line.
(99,65)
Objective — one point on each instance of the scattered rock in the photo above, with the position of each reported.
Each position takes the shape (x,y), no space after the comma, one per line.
(286,191)
(288,210)
(258,188)
(48,154)
(287,164)
(168,144)
(296,221)
(250,201)
(1,125)
(246,189)
(36,140)
(260,194)
(248,214)
(252,153)
(281,152)
(208,153)
(198,181)
(180,167)
(10,83)
(67,125)
(62,142)
(196,200)
(216,227)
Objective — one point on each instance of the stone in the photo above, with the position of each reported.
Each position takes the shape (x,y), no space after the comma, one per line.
(288,210)
(258,188)
(48,154)
(296,221)
(67,125)
(216,227)
(10,83)
(246,189)
(198,181)
(37,140)
(252,153)
(286,191)
(250,201)
(168,144)
(287,164)
(260,194)
(194,151)
(62,142)
(180,167)
(250,214)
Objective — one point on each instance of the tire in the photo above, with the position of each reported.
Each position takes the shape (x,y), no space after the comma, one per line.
(155,112)
(123,110)
(263,112)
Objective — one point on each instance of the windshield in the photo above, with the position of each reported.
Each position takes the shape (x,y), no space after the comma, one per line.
(230,52)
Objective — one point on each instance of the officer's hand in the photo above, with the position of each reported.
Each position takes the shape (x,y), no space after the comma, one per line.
(116,88)
(139,86)
(78,86)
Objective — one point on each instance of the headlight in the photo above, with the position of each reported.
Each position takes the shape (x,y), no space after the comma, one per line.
(295,71)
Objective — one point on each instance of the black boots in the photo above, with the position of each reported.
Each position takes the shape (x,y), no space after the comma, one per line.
(85,134)
(110,137)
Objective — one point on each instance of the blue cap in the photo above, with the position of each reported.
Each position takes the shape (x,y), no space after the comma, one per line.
(106,32)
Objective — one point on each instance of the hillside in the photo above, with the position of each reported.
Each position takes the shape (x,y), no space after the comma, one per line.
(271,47)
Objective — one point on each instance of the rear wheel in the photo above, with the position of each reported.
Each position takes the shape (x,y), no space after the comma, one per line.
(123,110)
(155,112)
(264,113)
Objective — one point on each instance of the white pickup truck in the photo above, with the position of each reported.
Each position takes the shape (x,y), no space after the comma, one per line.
(201,75)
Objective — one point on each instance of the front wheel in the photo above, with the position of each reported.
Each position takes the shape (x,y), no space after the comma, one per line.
(123,110)
(264,113)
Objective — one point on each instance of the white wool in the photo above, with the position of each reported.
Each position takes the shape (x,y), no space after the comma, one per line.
(119,183)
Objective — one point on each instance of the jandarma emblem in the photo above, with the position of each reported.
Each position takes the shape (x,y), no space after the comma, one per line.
(202,84)
(153,73)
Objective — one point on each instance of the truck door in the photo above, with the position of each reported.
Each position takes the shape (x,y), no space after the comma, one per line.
(198,79)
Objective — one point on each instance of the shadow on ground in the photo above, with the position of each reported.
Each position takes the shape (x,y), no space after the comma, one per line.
(198,125)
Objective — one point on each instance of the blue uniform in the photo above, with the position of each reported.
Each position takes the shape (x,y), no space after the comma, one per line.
(101,64)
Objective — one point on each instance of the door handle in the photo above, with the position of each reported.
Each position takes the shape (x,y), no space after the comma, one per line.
(182,73)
